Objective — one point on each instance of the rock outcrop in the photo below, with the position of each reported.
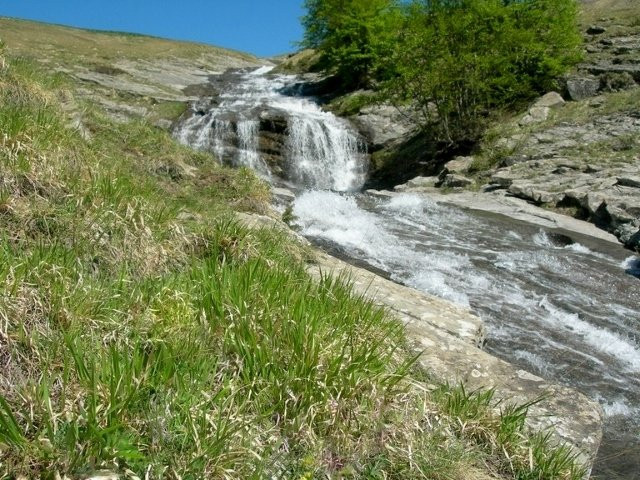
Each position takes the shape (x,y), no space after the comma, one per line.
(589,169)
(383,126)
(612,61)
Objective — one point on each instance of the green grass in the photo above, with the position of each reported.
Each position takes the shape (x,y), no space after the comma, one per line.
(66,44)
(144,331)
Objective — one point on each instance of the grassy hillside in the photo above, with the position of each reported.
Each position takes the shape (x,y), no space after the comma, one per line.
(62,45)
(144,332)
(625,11)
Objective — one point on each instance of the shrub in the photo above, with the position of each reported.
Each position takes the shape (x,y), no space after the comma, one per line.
(460,60)
(352,36)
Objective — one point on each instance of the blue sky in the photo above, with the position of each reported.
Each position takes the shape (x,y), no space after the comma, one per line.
(261,27)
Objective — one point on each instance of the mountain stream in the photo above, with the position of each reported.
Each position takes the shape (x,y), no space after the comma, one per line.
(566,309)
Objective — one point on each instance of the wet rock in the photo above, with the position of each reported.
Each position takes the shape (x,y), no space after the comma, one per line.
(385,194)
(559,239)
(580,88)
(283,194)
(634,243)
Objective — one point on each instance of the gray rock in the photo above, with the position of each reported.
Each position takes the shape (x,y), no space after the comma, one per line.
(422,182)
(593,202)
(551,100)
(512,160)
(456,181)
(540,110)
(382,125)
(457,166)
(504,178)
(283,194)
(580,88)
(632,69)
(384,194)
(535,115)
(633,182)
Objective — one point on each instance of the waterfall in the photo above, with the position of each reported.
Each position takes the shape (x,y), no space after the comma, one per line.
(323,154)
(321,151)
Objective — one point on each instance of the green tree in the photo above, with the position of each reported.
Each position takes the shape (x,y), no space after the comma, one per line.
(459,60)
(352,36)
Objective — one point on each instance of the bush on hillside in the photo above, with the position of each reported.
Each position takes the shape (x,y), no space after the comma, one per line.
(459,60)
(353,36)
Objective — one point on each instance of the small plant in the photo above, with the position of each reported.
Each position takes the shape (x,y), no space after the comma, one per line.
(288,216)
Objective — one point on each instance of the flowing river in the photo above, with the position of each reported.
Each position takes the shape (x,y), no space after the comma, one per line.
(565,309)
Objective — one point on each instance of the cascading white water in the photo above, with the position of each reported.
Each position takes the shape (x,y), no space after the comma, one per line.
(563,311)
(247,131)
(322,151)
(222,135)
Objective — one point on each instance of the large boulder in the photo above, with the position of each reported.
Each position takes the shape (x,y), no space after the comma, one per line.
(382,125)
(550,100)
(457,166)
(540,110)
(581,87)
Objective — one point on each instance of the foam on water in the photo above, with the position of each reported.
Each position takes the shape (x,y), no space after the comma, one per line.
(542,239)
(624,350)
(617,407)
(333,217)
(330,216)
(537,364)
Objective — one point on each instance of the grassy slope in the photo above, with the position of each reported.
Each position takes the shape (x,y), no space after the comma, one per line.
(625,11)
(145,332)
(105,54)
(71,45)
